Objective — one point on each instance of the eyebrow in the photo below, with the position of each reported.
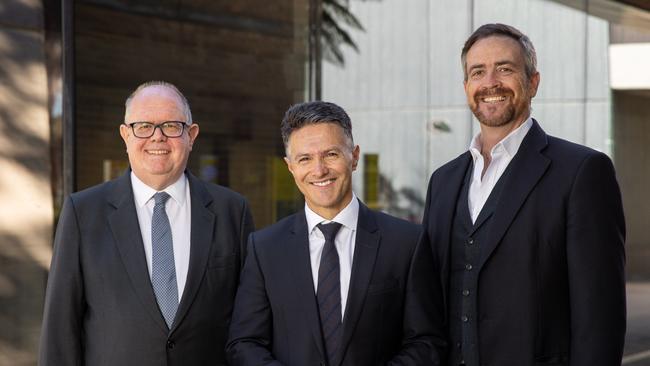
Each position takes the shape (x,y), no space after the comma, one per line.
(325,151)
(498,63)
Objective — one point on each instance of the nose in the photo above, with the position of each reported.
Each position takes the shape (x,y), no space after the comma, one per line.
(158,134)
(320,168)
(491,80)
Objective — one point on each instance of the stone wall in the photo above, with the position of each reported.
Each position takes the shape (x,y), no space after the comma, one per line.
(26,213)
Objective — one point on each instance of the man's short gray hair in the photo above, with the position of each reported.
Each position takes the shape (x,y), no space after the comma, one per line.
(186,105)
(498,29)
(308,113)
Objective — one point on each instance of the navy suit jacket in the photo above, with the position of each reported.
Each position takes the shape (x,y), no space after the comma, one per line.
(100,308)
(551,287)
(276,320)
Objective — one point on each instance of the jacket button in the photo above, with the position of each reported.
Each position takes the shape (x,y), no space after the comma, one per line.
(170,344)
(468,267)
(465,292)
(470,241)
(464,318)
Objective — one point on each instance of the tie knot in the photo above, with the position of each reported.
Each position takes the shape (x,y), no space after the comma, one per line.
(329,230)
(161,198)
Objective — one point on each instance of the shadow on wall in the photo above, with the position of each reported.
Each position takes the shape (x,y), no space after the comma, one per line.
(22,281)
(23,103)
(26,217)
(405,202)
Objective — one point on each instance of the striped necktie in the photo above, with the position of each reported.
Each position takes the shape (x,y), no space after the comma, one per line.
(329,292)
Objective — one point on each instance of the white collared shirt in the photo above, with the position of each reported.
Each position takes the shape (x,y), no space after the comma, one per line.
(501,155)
(179,212)
(344,243)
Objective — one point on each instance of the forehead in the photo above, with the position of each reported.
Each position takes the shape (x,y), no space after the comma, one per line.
(156,103)
(494,49)
(316,137)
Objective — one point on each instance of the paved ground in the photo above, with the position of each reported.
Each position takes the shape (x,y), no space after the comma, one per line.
(637,341)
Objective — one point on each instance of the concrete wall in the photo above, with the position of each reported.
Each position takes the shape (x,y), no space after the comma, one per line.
(632,159)
(26,213)
(407,79)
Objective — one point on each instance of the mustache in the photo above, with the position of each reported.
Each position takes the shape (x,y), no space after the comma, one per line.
(491,92)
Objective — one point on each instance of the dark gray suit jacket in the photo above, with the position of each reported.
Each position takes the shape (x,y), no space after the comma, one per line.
(551,286)
(276,319)
(100,308)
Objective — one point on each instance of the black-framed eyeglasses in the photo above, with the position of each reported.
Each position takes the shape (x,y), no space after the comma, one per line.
(147,129)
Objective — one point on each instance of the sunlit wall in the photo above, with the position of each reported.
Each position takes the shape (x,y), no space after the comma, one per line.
(26,214)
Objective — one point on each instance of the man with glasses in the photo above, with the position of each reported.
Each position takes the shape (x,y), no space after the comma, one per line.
(145,267)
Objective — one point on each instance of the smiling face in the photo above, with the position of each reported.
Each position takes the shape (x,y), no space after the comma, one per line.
(321,160)
(498,91)
(158,160)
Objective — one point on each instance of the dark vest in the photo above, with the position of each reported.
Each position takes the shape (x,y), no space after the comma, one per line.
(466,239)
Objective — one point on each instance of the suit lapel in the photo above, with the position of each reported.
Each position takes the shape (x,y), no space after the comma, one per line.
(365,254)
(525,170)
(441,214)
(201,238)
(124,225)
(298,255)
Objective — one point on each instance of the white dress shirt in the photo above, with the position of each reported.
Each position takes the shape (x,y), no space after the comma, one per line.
(179,212)
(501,155)
(344,243)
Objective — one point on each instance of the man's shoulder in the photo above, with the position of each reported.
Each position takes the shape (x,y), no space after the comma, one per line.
(453,164)
(280,229)
(94,193)
(396,231)
(388,222)
(570,156)
(220,193)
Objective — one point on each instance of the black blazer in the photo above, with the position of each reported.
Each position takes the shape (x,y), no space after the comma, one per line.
(100,308)
(276,321)
(551,288)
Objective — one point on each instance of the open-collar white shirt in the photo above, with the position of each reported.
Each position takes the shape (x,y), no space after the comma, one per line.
(179,212)
(344,243)
(501,155)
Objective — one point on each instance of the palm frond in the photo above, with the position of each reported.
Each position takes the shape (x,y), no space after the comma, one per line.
(343,13)
(335,17)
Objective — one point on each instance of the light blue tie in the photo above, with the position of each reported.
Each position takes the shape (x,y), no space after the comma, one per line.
(163,269)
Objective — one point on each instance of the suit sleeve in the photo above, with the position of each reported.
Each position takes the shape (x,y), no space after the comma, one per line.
(596,260)
(61,342)
(423,335)
(423,339)
(251,328)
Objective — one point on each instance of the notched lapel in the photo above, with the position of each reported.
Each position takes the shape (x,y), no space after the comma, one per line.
(526,169)
(365,255)
(298,257)
(124,225)
(442,212)
(201,239)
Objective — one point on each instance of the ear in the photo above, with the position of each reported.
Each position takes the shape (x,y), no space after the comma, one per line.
(193,132)
(125,132)
(533,84)
(289,166)
(286,160)
(355,157)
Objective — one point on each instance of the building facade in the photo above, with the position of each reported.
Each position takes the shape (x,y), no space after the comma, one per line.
(66,68)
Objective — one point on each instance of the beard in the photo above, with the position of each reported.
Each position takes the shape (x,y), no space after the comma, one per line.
(493,119)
